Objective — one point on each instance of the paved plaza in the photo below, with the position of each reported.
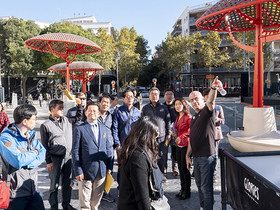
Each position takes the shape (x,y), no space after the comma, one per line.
(233,114)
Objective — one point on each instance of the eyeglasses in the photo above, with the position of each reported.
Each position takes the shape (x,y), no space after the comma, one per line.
(128,97)
(82,98)
(154,94)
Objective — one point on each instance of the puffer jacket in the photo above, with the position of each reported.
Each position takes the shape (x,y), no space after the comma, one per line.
(20,156)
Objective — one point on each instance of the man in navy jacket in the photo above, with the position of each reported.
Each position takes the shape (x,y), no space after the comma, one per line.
(92,157)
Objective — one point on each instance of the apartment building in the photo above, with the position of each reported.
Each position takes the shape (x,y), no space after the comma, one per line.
(89,22)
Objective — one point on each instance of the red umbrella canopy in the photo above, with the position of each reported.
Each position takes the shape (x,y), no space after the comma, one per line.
(77,66)
(241,15)
(62,44)
(82,67)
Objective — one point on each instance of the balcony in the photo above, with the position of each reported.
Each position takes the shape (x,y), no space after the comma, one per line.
(176,31)
(202,32)
(219,70)
(276,51)
(225,44)
(192,21)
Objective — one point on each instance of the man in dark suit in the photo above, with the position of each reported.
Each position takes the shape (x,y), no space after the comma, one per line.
(92,158)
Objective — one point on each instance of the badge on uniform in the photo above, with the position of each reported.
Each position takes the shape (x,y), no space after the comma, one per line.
(7,144)
(104,135)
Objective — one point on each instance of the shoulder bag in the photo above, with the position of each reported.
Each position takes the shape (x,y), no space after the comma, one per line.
(5,193)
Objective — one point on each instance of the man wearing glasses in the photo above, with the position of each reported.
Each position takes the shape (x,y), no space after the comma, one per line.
(72,112)
(160,113)
(124,117)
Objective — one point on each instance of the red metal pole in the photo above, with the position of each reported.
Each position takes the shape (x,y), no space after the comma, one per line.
(258,71)
(67,76)
(67,69)
(84,82)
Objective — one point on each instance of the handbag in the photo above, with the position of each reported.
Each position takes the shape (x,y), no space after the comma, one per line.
(5,193)
(160,204)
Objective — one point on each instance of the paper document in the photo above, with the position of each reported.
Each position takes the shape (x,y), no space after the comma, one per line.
(108,182)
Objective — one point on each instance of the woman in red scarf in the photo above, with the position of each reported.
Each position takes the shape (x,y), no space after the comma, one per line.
(182,128)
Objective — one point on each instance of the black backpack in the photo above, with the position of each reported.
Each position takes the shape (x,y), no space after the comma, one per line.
(155,179)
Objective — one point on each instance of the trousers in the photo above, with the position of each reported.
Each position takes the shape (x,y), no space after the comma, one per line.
(63,169)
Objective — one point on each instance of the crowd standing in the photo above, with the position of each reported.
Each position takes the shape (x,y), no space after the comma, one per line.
(80,147)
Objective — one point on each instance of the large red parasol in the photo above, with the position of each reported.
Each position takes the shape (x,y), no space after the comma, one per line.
(78,66)
(263,16)
(62,44)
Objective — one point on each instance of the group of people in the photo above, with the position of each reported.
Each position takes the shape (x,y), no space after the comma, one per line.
(40,99)
(81,146)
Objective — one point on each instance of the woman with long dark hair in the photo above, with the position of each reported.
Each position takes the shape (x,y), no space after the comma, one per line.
(182,127)
(137,161)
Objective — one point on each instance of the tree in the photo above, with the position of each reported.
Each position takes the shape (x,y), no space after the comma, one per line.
(237,60)
(125,42)
(175,53)
(151,71)
(209,54)
(107,57)
(143,50)
(20,60)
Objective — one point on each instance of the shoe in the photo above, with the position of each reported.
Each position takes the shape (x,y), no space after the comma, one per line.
(69,207)
(179,194)
(185,196)
(108,198)
(175,171)
(164,179)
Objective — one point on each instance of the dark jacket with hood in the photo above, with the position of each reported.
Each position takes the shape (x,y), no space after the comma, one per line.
(20,156)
